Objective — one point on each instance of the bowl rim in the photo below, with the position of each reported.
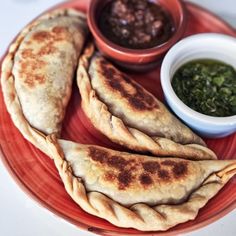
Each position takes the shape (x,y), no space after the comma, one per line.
(98,35)
(169,91)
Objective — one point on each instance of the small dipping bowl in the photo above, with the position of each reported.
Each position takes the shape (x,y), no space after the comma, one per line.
(202,46)
(137,59)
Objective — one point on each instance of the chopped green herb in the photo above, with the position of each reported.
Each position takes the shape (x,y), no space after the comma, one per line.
(207,86)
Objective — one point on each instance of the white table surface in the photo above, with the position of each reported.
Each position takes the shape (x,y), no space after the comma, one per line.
(21,216)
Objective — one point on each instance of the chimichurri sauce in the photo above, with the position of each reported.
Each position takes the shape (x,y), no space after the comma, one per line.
(136,24)
(207,86)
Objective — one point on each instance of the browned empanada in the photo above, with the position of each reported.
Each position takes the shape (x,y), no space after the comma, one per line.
(135,191)
(129,115)
(38,71)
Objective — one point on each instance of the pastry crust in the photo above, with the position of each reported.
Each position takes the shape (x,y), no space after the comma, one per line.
(140,216)
(35,94)
(121,131)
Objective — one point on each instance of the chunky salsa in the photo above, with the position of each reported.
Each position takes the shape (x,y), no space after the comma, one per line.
(136,24)
(207,86)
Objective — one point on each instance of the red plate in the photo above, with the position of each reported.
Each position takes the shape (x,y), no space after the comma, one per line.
(36,173)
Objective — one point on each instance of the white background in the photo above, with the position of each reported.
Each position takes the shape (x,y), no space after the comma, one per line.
(19,215)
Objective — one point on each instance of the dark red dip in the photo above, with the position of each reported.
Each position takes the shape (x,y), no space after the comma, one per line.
(136,24)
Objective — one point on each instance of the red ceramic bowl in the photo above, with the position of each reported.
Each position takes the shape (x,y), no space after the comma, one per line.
(137,58)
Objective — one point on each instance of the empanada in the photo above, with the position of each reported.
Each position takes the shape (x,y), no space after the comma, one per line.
(129,115)
(135,191)
(38,70)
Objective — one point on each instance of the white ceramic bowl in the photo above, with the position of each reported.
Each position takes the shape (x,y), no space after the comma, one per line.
(201,46)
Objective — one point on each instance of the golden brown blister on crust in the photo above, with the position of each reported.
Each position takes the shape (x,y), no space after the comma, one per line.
(128,170)
(129,115)
(133,95)
(37,48)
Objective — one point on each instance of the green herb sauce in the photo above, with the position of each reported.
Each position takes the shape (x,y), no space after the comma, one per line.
(207,86)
